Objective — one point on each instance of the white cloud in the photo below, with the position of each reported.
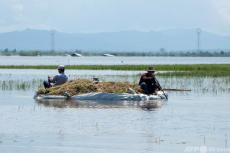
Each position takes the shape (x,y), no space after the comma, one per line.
(223,9)
(18,7)
(22,14)
(113,15)
(11,12)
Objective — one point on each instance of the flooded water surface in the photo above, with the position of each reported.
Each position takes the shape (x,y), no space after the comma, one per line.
(186,120)
(101,60)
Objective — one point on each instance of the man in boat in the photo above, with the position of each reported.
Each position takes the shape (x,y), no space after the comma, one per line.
(59,79)
(148,82)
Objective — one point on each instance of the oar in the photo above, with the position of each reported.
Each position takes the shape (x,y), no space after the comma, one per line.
(166,96)
(177,89)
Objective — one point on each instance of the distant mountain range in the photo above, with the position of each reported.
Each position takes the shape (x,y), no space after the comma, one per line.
(113,41)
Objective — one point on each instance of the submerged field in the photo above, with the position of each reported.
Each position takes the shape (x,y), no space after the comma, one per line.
(199,117)
(195,118)
(28,79)
(169,70)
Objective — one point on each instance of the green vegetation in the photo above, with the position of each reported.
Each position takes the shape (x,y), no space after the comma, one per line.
(19,84)
(170,70)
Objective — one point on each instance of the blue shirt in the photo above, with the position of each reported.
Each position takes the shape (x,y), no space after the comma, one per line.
(60,79)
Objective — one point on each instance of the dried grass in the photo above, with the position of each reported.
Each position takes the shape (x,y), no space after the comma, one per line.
(80,86)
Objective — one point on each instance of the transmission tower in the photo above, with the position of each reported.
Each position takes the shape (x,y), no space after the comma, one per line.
(52,33)
(198,31)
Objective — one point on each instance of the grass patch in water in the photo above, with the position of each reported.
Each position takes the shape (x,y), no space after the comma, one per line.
(174,70)
(19,84)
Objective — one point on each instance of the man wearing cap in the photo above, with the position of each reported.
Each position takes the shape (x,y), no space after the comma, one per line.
(148,82)
(59,79)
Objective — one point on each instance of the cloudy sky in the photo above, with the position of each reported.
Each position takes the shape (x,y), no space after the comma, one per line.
(115,15)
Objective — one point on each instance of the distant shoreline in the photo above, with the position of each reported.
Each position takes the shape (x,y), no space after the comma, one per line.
(164,53)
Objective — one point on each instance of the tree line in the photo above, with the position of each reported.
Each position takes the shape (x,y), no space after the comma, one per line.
(201,53)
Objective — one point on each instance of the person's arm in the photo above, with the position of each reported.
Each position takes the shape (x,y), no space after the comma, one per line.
(52,79)
(140,81)
(158,84)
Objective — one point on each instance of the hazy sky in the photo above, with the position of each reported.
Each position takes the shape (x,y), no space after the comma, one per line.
(115,15)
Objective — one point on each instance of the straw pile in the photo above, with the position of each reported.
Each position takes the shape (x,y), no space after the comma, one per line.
(81,86)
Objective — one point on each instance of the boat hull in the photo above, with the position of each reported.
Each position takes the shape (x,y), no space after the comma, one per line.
(104,100)
(105,97)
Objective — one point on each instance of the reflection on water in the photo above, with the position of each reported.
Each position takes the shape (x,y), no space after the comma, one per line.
(146,105)
(185,121)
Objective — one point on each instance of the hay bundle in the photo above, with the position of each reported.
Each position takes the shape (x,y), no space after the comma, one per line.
(81,86)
